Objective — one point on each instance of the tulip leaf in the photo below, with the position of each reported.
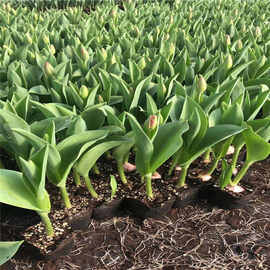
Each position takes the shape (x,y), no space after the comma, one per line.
(8,250)
(144,145)
(167,142)
(257,148)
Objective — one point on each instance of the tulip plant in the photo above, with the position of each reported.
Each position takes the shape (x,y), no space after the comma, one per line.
(170,81)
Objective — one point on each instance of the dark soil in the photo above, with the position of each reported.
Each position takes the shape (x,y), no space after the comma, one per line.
(197,236)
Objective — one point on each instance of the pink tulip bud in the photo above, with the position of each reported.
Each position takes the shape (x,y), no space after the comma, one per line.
(152,124)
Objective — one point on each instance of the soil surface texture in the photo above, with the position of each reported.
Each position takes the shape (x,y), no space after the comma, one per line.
(179,229)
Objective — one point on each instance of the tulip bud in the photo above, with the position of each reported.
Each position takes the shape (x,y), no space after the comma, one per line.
(52,49)
(152,124)
(258,32)
(84,54)
(228,40)
(142,63)
(28,38)
(84,92)
(46,39)
(228,62)
(10,51)
(113,59)
(164,89)
(104,53)
(100,99)
(201,84)
(239,45)
(48,69)
(31,55)
(171,19)
(262,61)
(113,12)
(264,87)
(171,49)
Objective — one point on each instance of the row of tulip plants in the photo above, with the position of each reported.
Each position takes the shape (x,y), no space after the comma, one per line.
(157,80)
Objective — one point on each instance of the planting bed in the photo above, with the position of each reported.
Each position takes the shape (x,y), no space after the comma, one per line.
(111,119)
(197,236)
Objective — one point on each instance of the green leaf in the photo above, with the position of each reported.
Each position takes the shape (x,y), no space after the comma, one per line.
(88,159)
(139,89)
(167,142)
(213,136)
(13,191)
(144,145)
(257,148)
(8,250)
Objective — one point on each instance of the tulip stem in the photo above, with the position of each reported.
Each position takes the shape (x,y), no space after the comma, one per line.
(76,177)
(174,163)
(241,174)
(47,222)
(213,165)
(65,196)
(207,156)
(182,179)
(121,172)
(148,180)
(90,187)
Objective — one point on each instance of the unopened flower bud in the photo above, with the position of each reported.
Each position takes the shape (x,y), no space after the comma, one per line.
(28,38)
(84,54)
(171,49)
(228,62)
(31,55)
(262,61)
(46,39)
(84,92)
(239,45)
(228,40)
(104,53)
(258,32)
(171,19)
(10,51)
(152,124)
(48,69)
(113,59)
(52,49)
(113,13)
(100,99)
(142,63)
(164,89)
(158,30)
(202,85)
